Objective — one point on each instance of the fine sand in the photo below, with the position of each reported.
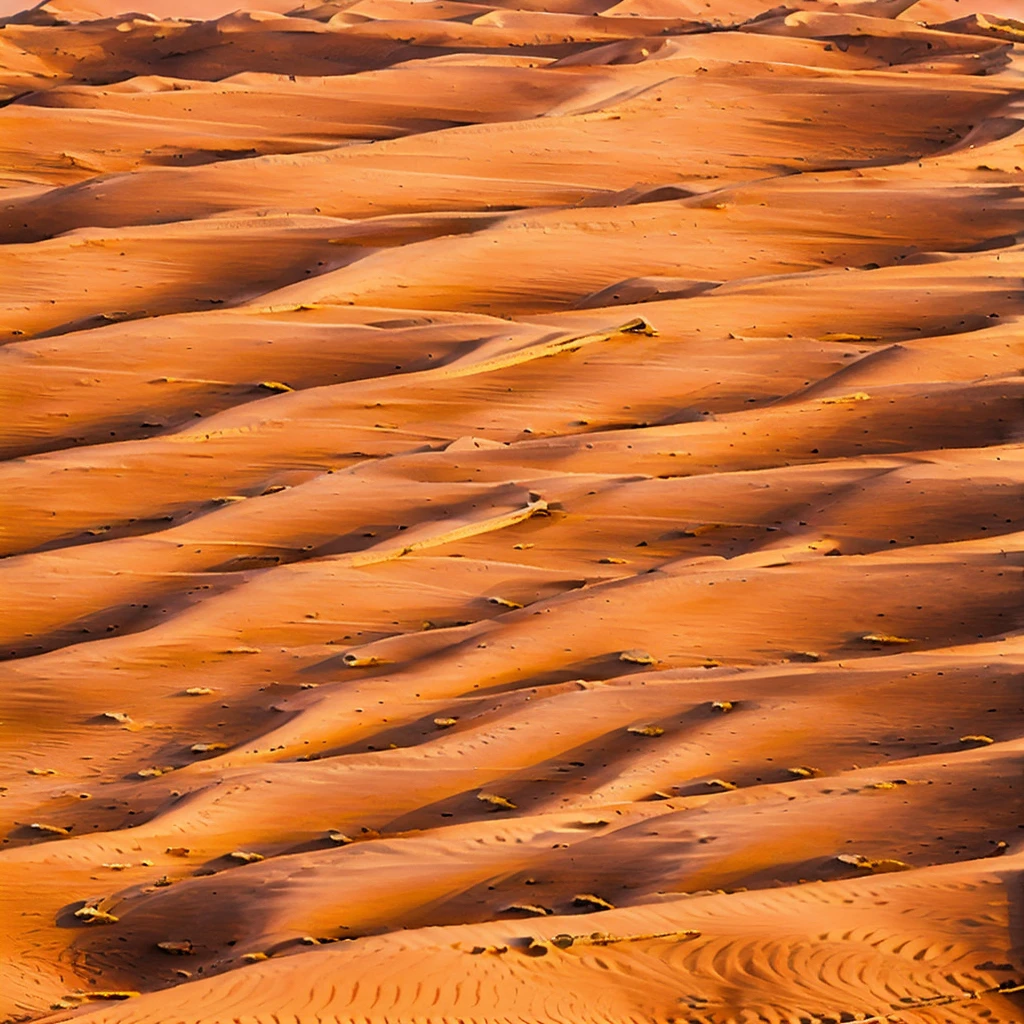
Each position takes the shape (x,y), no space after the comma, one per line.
(512,513)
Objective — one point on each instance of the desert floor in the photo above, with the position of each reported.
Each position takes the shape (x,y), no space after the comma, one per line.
(512,513)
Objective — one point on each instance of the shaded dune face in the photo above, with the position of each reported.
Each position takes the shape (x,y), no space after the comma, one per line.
(512,513)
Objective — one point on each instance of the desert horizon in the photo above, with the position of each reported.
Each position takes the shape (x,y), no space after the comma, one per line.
(511,512)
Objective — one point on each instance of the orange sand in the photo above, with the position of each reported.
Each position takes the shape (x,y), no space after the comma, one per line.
(512,513)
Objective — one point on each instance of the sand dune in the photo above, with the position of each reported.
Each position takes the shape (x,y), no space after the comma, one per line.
(511,513)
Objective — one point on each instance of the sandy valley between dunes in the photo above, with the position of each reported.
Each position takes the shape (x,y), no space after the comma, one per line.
(512,513)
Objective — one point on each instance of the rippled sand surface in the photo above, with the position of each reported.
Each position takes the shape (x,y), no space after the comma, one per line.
(512,513)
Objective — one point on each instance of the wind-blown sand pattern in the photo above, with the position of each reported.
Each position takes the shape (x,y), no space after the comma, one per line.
(512,513)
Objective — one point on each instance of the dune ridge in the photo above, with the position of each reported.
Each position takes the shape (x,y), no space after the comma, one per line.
(511,513)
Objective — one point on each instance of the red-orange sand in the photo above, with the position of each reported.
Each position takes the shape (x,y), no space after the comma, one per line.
(512,513)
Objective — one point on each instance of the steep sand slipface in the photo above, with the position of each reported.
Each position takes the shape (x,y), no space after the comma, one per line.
(511,513)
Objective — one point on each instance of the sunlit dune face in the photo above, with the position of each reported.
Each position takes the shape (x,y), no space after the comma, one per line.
(511,513)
